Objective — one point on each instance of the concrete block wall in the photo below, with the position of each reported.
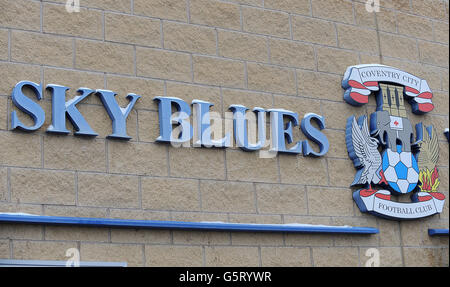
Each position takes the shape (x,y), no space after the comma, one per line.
(287,54)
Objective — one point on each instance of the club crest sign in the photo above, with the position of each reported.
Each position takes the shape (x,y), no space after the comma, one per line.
(391,161)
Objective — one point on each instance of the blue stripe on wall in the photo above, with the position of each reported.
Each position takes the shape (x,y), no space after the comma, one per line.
(207,226)
(434,232)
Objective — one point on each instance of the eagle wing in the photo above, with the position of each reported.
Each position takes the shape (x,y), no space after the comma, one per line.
(429,150)
(365,148)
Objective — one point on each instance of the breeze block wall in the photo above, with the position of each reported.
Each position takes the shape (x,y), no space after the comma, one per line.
(289,54)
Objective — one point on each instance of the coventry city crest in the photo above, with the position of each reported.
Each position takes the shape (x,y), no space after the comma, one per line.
(383,148)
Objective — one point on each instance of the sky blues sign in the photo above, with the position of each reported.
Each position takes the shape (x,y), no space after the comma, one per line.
(174,121)
(406,164)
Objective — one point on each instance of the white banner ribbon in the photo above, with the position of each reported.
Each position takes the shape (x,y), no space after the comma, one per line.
(398,210)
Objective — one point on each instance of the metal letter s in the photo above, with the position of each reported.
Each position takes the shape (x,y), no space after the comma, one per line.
(26,105)
(315,135)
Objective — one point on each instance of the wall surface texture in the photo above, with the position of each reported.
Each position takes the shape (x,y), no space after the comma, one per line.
(289,54)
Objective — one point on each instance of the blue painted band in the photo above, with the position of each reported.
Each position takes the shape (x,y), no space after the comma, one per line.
(207,226)
(434,232)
